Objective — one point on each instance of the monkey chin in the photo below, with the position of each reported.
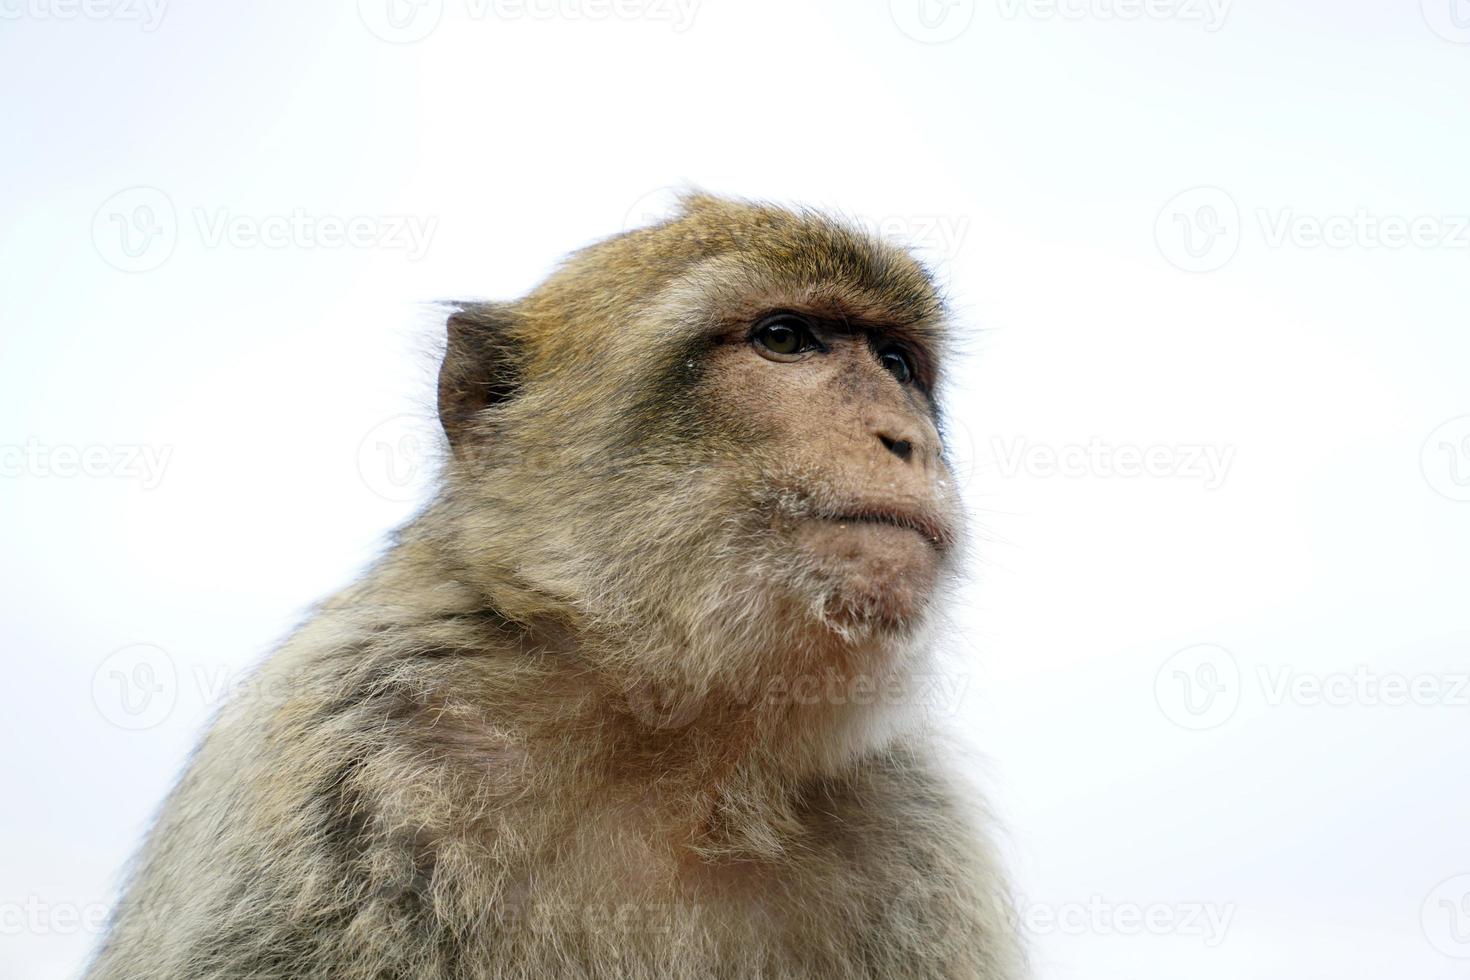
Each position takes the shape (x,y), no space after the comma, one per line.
(879,574)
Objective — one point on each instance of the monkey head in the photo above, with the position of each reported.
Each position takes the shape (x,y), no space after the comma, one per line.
(710,447)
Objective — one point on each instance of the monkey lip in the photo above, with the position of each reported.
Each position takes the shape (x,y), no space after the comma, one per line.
(933,531)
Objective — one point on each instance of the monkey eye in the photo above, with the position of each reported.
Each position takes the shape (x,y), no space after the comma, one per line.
(896,361)
(785,335)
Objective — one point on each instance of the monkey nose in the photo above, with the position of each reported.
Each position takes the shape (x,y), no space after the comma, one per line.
(909,440)
(899,437)
(902,448)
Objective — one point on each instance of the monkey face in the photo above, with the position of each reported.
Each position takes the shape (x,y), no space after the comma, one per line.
(714,441)
(838,422)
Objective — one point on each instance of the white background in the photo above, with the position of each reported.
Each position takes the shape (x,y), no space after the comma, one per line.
(254,415)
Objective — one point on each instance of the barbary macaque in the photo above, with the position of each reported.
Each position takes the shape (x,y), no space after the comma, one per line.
(595,713)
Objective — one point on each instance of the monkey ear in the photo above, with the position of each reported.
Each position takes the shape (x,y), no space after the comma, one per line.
(482,365)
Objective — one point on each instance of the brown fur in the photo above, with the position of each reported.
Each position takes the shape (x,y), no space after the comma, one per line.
(552,733)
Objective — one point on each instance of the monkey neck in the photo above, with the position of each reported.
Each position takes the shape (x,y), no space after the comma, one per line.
(615,708)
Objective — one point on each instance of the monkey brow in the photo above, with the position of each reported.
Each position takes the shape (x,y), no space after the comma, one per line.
(878,332)
(838,319)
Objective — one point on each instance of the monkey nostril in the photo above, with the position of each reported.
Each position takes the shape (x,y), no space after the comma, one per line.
(901,448)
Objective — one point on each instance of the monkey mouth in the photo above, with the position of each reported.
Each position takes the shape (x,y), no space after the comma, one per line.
(875,564)
(933,531)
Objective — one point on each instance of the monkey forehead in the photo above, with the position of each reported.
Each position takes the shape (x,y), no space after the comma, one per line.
(732,258)
(742,250)
(733,289)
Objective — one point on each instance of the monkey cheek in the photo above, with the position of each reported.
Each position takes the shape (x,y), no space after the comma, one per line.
(876,571)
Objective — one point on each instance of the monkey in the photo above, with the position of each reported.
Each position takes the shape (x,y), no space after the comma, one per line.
(604,707)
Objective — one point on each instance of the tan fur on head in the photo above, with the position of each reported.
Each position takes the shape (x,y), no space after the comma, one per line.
(606,709)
